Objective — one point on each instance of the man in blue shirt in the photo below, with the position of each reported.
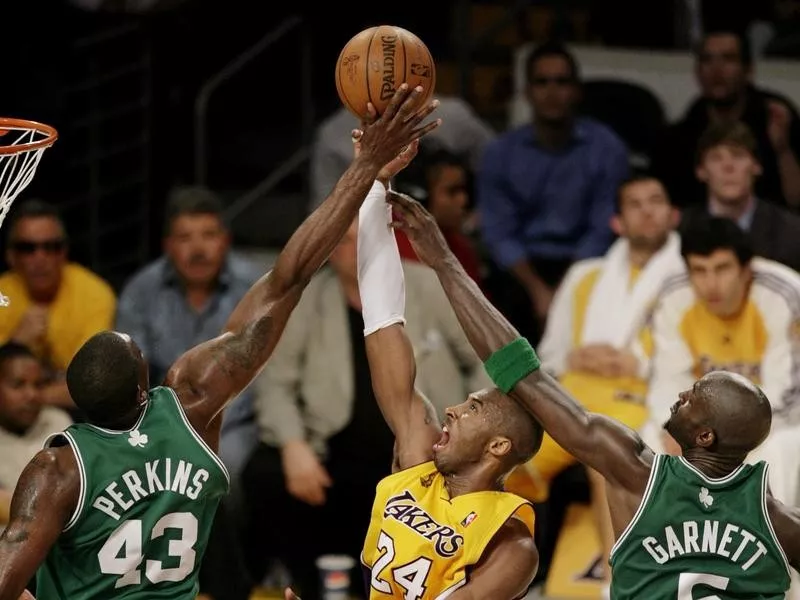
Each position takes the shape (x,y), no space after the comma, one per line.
(547,190)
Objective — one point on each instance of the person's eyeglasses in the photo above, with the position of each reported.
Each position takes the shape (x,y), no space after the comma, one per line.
(48,246)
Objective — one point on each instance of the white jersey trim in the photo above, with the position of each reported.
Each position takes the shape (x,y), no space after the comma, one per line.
(123,431)
(197,437)
(711,480)
(451,590)
(648,490)
(81,473)
(768,520)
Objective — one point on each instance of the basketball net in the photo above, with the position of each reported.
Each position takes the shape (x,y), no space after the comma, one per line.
(22,144)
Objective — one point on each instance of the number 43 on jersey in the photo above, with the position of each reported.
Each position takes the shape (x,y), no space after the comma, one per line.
(122,553)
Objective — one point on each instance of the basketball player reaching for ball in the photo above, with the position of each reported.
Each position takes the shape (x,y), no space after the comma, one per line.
(701,523)
(441,525)
(122,506)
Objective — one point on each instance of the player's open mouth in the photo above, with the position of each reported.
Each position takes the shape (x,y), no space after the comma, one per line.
(442,440)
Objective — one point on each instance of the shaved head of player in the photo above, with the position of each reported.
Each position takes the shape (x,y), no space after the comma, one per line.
(722,414)
(108,380)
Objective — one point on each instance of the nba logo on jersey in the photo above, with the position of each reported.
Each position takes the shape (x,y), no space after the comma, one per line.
(469,519)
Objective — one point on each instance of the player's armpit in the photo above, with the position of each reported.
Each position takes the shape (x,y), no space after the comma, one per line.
(43,502)
(615,451)
(507,567)
(786,521)
(411,417)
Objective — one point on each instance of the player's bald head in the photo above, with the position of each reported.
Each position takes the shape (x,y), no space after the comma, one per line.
(739,410)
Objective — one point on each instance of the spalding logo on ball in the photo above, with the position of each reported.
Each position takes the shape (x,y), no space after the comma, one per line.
(376,61)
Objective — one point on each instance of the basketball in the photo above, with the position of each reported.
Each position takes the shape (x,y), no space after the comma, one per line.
(376,61)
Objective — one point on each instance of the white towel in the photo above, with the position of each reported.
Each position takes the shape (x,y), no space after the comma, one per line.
(616,312)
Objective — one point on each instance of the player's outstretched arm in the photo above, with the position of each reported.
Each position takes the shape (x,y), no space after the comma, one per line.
(43,502)
(391,358)
(207,377)
(607,446)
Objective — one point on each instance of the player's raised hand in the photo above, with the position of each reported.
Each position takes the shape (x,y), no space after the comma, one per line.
(288,594)
(419,226)
(400,162)
(385,136)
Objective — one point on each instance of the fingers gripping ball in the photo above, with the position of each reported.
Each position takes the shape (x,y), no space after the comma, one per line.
(376,61)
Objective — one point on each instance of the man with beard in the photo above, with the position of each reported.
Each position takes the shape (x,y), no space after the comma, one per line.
(700,522)
(596,342)
(724,71)
(546,191)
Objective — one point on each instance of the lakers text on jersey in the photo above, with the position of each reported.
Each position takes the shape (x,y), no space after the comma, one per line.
(147,501)
(420,542)
(698,537)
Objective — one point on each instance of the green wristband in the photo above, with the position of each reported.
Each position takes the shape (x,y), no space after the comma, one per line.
(511,364)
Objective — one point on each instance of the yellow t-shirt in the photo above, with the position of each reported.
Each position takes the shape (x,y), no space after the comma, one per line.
(420,541)
(84,305)
(760,342)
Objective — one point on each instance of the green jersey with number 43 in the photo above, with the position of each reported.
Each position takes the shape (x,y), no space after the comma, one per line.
(698,537)
(147,501)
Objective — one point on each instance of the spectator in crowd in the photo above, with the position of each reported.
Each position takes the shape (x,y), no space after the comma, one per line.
(724,69)
(462,132)
(593,342)
(547,190)
(441,181)
(730,312)
(185,297)
(324,444)
(728,165)
(55,305)
(178,301)
(25,420)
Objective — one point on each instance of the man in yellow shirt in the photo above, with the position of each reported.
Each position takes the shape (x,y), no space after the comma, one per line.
(55,305)
(592,342)
(731,312)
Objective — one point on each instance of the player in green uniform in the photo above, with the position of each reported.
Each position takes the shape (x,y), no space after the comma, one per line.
(700,525)
(121,507)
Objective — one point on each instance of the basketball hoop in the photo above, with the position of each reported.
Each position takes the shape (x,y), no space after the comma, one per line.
(22,144)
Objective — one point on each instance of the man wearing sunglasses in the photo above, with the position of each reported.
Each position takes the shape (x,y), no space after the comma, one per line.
(55,305)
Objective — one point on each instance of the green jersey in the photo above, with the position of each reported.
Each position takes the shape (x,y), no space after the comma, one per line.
(697,537)
(147,501)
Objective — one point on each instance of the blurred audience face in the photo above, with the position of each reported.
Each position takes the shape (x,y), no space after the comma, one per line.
(720,69)
(21,382)
(448,198)
(197,245)
(552,91)
(729,171)
(38,252)
(646,216)
(344,258)
(720,281)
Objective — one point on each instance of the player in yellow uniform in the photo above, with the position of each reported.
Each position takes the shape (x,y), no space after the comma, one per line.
(441,524)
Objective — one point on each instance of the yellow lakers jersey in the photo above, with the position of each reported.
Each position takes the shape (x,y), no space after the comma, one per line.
(420,542)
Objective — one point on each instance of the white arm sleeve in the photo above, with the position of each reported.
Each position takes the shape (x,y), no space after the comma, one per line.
(380,271)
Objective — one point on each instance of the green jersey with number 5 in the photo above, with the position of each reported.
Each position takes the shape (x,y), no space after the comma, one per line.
(147,501)
(698,537)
